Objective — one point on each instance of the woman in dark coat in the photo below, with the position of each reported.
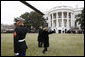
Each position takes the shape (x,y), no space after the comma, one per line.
(46,38)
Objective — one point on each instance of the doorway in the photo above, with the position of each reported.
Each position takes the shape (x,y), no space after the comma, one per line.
(59,31)
(65,30)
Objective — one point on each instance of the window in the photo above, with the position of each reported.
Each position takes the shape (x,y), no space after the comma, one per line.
(54,23)
(65,22)
(75,24)
(59,21)
(54,15)
(59,14)
(65,14)
(69,15)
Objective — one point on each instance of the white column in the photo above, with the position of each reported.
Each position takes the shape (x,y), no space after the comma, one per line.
(67,20)
(49,18)
(57,22)
(71,19)
(52,21)
(62,21)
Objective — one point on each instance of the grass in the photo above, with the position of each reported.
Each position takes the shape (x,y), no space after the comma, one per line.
(60,45)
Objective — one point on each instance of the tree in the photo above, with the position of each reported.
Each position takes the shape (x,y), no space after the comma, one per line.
(36,19)
(27,20)
(80,19)
(33,19)
(25,15)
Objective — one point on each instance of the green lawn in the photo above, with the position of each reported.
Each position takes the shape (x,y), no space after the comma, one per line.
(60,45)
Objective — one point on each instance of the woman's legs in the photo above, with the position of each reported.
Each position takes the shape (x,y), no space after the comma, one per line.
(44,50)
(39,44)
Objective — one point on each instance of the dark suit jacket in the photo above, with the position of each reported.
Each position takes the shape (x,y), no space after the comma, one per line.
(40,35)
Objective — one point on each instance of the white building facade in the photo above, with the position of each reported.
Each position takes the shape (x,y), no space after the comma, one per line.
(62,18)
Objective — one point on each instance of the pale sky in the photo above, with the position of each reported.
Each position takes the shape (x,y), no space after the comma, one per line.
(13,9)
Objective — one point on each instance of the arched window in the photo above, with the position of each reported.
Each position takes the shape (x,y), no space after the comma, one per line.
(65,14)
(59,14)
(54,15)
(69,14)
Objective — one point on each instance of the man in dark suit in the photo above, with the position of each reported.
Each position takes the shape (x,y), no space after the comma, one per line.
(19,39)
(40,37)
(46,38)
